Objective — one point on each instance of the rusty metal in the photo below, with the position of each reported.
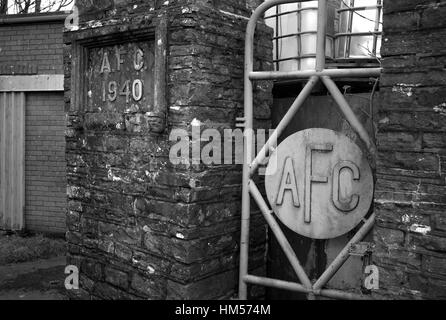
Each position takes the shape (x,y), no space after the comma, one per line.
(303,181)
(250,167)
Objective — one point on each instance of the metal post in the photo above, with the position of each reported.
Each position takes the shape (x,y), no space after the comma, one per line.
(248,133)
(248,136)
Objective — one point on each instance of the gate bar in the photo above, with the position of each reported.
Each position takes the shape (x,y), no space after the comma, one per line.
(248,147)
(349,115)
(271,143)
(295,75)
(344,254)
(293,286)
(248,168)
(283,241)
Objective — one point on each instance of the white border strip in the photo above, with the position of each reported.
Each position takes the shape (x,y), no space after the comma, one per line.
(45,82)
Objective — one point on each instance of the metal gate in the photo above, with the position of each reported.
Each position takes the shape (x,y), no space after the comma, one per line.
(12,160)
(251,164)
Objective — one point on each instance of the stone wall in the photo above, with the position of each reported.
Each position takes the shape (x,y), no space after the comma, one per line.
(139,226)
(410,233)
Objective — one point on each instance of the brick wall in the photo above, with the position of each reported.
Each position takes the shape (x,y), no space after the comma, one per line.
(37,48)
(37,44)
(139,226)
(45,177)
(410,233)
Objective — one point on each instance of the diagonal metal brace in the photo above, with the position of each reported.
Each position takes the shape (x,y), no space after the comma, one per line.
(286,247)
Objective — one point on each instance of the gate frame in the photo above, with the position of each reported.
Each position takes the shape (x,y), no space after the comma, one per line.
(250,165)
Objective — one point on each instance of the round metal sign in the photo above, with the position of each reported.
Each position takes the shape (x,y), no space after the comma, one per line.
(319,183)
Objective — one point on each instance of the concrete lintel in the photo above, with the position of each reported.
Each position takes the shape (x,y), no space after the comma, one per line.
(44,82)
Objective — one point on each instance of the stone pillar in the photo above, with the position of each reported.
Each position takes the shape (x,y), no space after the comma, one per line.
(139,225)
(410,232)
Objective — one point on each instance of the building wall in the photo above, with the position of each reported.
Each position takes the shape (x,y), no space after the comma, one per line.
(410,233)
(45,176)
(139,226)
(36,44)
(37,48)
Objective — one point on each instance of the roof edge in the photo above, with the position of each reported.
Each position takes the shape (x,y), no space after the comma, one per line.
(33,17)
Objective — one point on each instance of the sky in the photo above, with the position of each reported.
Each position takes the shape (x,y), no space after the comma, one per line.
(45,4)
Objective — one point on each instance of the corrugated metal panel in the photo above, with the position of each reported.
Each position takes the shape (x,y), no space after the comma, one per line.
(12,160)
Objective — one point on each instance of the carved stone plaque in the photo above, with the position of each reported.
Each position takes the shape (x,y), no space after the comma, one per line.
(319,183)
(120,78)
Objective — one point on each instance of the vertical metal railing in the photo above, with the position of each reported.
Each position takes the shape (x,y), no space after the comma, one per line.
(251,164)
